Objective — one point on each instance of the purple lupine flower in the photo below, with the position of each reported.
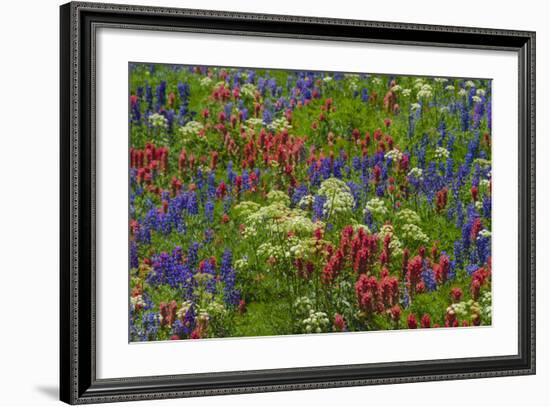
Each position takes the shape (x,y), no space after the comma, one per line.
(457,247)
(428,276)
(193,255)
(486,206)
(134,261)
(464,117)
(325,169)
(192,204)
(149,97)
(364,95)
(211,185)
(299,193)
(209,211)
(231,295)
(318,207)
(337,168)
(459,215)
(161,95)
(355,192)
(314,175)
(483,247)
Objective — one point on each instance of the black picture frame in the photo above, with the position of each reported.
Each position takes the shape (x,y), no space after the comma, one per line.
(78,382)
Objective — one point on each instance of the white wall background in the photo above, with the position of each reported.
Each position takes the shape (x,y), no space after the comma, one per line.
(29,162)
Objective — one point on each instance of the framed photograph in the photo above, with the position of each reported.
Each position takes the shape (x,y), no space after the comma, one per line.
(255,203)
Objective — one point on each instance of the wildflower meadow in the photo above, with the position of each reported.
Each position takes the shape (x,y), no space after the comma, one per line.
(275,202)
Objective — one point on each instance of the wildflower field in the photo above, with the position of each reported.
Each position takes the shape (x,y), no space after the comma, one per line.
(272,202)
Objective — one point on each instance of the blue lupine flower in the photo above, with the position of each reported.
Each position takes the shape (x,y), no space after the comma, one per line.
(192,204)
(211,185)
(355,192)
(149,97)
(464,117)
(231,295)
(134,262)
(209,211)
(161,95)
(318,207)
(356,163)
(246,180)
(458,253)
(368,219)
(428,277)
(486,206)
(337,170)
(227,109)
(325,169)
(364,95)
(471,268)
(483,246)
(193,255)
(459,215)
(299,193)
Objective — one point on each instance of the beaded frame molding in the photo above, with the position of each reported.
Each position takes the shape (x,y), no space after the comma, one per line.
(78,381)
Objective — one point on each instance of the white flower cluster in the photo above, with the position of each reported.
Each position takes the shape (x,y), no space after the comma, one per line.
(476,99)
(316,322)
(462,92)
(205,81)
(415,106)
(485,183)
(482,162)
(394,154)
(470,84)
(441,153)
(254,122)
(484,233)
(441,80)
(395,243)
(353,82)
(278,196)
(303,305)
(137,301)
(376,207)
(376,80)
(471,308)
(268,250)
(279,124)
(415,172)
(396,88)
(248,90)
(327,79)
(241,264)
(245,208)
(191,129)
(278,219)
(450,88)
(480,92)
(158,121)
(306,201)
(425,92)
(408,216)
(485,305)
(339,199)
(406,92)
(414,233)
(216,309)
